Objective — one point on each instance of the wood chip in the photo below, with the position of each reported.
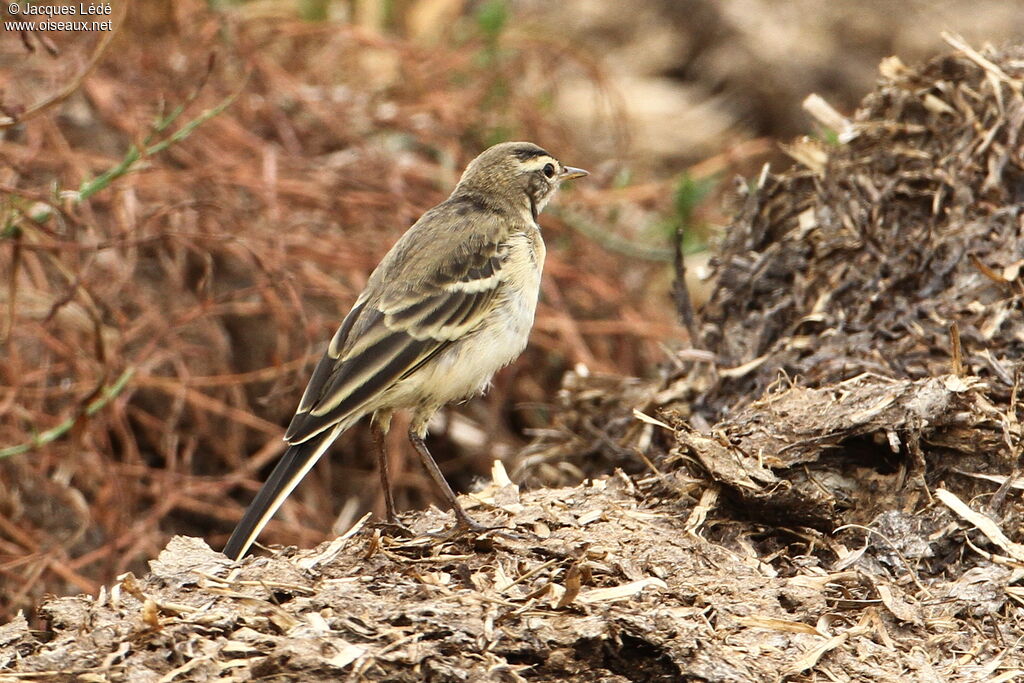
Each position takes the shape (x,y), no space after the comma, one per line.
(622,592)
(776,624)
(983,523)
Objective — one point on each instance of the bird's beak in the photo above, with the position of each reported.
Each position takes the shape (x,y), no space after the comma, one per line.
(568,173)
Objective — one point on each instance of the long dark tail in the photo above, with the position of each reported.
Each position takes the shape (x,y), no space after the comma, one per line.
(290,470)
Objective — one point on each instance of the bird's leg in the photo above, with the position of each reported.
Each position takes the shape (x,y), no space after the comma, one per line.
(464,520)
(379,427)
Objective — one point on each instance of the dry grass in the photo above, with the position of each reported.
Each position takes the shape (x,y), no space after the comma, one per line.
(210,262)
(826,485)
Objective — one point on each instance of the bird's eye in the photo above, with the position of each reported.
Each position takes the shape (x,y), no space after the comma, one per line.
(549,170)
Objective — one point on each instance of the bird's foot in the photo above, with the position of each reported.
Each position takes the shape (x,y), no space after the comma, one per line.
(464,524)
(397,528)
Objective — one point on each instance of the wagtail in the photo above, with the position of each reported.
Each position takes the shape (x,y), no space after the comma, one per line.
(450,304)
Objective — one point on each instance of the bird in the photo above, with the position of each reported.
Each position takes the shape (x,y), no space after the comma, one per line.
(451,303)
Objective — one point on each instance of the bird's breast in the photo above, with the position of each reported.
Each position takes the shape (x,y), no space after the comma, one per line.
(466,367)
(522,287)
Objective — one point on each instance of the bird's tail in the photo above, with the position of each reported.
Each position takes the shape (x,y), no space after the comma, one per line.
(290,470)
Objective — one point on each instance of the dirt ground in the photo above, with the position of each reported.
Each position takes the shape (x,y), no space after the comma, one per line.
(822,484)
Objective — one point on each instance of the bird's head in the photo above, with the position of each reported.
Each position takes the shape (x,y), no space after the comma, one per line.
(518,172)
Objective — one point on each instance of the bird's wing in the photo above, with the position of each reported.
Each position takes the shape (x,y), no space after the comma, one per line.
(416,304)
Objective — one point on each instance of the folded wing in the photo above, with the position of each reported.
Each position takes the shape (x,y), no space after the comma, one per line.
(386,338)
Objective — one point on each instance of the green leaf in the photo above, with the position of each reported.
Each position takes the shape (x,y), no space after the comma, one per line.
(491,17)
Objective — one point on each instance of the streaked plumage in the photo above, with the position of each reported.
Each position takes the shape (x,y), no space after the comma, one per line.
(450,304)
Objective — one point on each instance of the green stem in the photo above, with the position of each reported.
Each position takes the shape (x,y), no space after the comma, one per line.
(613,242)
(127,164)
(132,158)
(64,427)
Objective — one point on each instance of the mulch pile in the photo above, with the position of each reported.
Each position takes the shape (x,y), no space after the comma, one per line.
(826,487)
(854,397)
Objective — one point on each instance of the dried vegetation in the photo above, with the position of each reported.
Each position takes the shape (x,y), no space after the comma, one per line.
(825,487)
(167,286)
(864,399)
